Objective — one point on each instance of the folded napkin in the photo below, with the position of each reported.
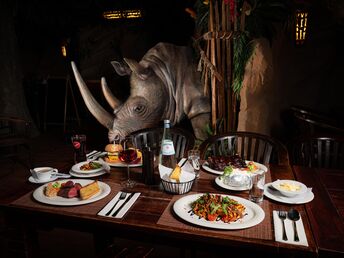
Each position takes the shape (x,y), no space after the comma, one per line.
(124,210)
(289,230)
(186,173)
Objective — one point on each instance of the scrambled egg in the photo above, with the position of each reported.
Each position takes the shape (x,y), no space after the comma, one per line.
(290,187)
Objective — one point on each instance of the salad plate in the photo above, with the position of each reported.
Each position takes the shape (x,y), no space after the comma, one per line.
(254,214)
(219,182)
(87,175)
(206,167)
(77,167)
(39,195)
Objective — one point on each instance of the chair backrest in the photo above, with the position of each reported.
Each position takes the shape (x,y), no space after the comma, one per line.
(307,122)
(319,152)
(250,146)
(182,139)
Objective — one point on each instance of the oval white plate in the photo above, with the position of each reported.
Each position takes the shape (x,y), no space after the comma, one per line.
(84,175)
(220,183)
(76,168)
(206,167)
(38,194)
(277,196)
(254,213)
(123,165)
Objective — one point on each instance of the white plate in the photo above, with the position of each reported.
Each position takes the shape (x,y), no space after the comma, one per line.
(76,168)
(220,183)
(277,196)
(254,213)
(84,175)
(123,165)
(35,181)
(38,194)
(206,167)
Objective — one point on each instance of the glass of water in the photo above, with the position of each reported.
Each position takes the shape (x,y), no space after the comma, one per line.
(193,158)
(256,191)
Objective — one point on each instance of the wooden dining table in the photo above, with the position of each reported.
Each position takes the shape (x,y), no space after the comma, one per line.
(151,219)
(326,211)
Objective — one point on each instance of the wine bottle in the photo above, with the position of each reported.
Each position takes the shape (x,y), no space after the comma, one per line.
(167,153)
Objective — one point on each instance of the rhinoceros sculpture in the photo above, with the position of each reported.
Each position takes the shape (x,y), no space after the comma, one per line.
(163,85)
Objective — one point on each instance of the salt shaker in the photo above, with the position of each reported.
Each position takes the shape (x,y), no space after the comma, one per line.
(148,166)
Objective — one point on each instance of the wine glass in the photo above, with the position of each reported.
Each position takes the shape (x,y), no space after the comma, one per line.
(127,155)
(193,158)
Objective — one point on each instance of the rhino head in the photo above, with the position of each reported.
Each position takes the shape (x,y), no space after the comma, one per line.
(141,110)
(159,90)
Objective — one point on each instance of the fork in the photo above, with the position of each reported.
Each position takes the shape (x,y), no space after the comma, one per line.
(283,215)
(121,197)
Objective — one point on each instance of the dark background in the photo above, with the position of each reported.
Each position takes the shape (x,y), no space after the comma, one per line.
(310,75)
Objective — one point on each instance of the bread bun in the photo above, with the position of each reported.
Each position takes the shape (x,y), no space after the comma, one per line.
(113,148)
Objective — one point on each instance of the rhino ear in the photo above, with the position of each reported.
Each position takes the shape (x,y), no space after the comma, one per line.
(121,68)
(138,69)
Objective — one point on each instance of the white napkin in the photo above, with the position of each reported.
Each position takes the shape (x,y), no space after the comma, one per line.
(185,176)
(289,230)
(106,166)
(123,210)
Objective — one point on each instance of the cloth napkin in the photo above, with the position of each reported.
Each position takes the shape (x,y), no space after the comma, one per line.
(289,230)
(186,174)
(124,210)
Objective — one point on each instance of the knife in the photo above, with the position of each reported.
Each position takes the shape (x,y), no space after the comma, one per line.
(123,204)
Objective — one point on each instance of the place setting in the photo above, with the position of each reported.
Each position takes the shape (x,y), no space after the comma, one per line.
(288,191)
(289,227)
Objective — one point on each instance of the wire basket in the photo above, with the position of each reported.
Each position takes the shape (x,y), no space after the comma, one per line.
(177,188)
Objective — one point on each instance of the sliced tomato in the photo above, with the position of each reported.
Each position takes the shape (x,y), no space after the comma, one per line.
(212,217)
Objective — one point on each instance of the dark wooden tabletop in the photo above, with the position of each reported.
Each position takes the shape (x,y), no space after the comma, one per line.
(326,211)
(145,216)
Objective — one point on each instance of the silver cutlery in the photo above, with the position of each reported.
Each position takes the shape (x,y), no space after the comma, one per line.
(123,204)
(121,197)
(294,215)
(94,155)
(283,215)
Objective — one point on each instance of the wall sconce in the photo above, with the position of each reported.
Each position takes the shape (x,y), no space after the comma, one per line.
(124,14)
(64,50)
(301,24)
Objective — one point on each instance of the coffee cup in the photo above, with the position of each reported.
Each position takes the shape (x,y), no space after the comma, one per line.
(43,173)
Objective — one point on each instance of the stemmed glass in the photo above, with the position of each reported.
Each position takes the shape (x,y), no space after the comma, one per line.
(128,155)
(193,158)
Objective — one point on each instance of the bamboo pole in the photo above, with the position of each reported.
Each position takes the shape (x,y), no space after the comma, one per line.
(213,61)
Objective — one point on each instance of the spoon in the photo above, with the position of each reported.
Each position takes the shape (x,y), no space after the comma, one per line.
(294,215)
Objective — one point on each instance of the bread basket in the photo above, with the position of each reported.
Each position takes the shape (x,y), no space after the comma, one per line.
(177,188)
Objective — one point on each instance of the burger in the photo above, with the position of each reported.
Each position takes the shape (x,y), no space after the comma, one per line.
(112,152)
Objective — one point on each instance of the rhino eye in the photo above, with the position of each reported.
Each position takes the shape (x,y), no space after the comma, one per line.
(139,109)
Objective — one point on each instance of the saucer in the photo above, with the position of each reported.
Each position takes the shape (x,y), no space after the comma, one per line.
(35,181)
(277,196)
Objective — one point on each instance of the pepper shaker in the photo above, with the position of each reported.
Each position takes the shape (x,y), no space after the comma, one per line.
(148,166)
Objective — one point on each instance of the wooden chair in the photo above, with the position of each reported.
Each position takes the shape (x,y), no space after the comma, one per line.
(14,134)
(250,146)
(182,139)
(319,152)
(307,122)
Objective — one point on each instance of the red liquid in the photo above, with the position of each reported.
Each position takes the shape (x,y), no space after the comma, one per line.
(128,155)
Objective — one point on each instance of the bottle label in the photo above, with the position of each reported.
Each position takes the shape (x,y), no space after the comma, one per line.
(167,147)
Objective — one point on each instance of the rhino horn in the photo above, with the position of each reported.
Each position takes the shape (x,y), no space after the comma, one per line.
(93,106)
(138,69)
(110,98)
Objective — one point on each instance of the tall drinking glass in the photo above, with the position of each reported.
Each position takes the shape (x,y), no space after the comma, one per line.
(193,158)
(128,155)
